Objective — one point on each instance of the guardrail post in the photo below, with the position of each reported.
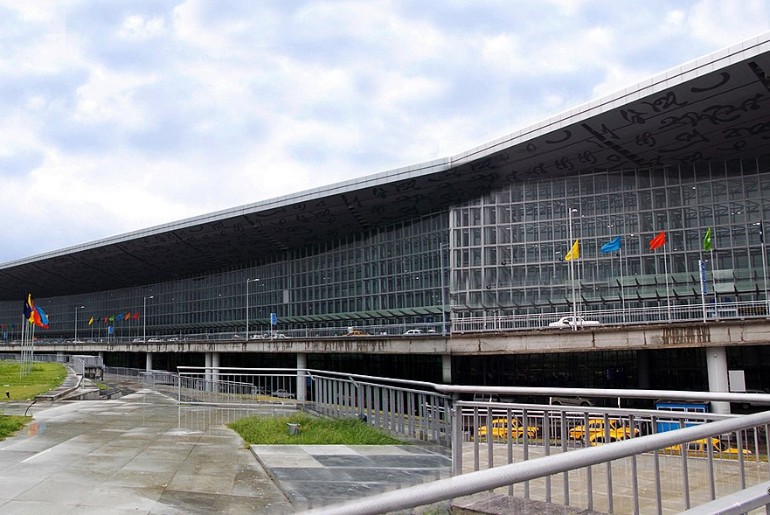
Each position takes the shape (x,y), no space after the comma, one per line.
(457,436)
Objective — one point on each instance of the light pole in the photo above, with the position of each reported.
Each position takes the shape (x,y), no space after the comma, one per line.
(144,318)
(761,225)
(76,322)
(247,304)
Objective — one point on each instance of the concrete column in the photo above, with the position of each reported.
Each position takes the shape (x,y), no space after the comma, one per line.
(643,369)
(716,362)
(148,361)
(215,364)
(207,364)
(446,368)
(301,377)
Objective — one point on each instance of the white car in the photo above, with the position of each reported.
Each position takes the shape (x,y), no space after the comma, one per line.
(574,322)
(413,332)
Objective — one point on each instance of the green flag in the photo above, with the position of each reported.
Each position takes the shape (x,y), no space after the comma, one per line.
(708,242)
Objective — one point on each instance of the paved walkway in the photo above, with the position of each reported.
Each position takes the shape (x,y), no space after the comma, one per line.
(140,453)
(318,475)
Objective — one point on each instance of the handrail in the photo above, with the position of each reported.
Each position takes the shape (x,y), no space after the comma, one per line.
(736,503)
(504,475)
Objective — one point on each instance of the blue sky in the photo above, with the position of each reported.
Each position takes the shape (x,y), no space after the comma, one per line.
(121,115)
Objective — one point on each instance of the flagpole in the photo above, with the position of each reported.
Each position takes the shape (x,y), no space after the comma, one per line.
(714,285)
(572,272)
(622,293)
(668,295)
(764,262)
(702,274)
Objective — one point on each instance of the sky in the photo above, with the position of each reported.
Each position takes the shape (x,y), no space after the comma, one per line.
(120,115)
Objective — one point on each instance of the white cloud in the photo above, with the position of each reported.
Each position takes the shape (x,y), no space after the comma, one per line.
(137,27)
(727,23)
(186,107)
(107,97)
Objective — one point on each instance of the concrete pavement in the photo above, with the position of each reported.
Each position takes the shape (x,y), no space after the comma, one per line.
(136,454)
(141,453)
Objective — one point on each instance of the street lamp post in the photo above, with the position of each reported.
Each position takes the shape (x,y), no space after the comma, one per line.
(76,322)
(247,304)
(761,225)
(144,318)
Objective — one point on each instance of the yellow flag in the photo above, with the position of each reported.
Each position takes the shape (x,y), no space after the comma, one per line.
(91,321)
(573,253)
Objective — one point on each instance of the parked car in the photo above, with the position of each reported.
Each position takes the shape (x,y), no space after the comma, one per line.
(486,397)
(154,340)
(574,322)
(597,433)
(413,332)
(571,401)
(283,394)
(501,429)
(700,448)
(356,332)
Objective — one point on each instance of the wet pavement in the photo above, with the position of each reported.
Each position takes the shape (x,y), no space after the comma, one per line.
(319,475)
(141,453)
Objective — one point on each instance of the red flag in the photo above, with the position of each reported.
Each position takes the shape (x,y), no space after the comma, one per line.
(658,241)
(136,316)
(31,311)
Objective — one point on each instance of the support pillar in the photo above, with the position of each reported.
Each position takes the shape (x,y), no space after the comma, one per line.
(148,361)
(207,372)
(716,362)
(446,368)
(301,377)
(215,365)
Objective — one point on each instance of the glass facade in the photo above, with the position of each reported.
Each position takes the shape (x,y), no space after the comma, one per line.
(391,275)
(502,254)
(509,247)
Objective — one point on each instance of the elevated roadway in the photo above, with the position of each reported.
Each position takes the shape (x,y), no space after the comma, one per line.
(630,337)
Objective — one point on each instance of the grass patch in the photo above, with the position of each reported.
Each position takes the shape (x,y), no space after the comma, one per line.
(10,424)
(43,377)
(313,431)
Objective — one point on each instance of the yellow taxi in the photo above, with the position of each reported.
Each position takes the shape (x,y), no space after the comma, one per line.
(501,429)
(700,448)
(597,433)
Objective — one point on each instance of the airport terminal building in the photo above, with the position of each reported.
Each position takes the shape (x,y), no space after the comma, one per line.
(665,187)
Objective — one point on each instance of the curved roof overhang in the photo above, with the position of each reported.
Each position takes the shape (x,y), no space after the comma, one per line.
(714,108)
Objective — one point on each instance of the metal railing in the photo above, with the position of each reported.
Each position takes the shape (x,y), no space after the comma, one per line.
(636,316)
(585,465)
(411,409)
(599,458)
(676,313)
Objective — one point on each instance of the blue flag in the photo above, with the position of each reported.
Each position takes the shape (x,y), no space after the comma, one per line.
(43,317)
(611,246)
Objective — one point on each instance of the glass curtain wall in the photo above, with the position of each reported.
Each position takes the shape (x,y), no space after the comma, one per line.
(390,275)
(509,248)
